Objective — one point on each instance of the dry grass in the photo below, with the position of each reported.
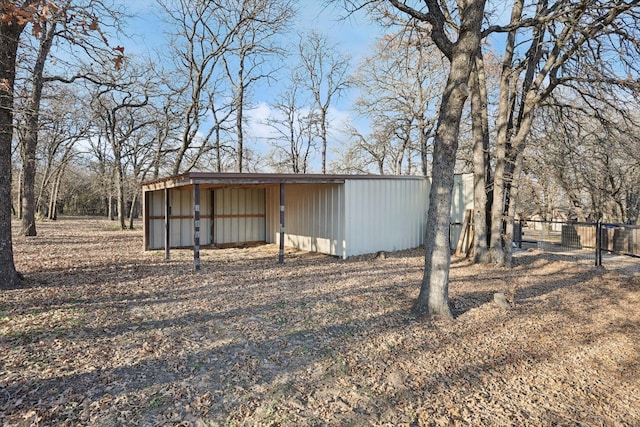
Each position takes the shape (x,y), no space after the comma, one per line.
(105,334)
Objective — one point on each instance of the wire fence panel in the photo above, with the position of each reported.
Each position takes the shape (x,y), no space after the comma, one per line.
(581,239)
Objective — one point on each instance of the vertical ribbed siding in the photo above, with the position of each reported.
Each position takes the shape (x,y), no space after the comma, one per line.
(360,216)
(384,215)
(239,215)
(156,226)
(313,216)
(461,201)
(181,229)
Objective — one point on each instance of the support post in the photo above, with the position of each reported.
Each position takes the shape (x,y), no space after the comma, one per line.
(196,226)
(281,253)
(167,219)
(145,220)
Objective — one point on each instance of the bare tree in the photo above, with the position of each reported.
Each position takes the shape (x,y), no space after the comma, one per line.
(481,164)
(569,47)
(77,24)
(204,32)
(14,17)
(117,108)
(455,28)
(294,129)
(166,128)
(325,74)
(372,150)
(354,159)
(248,61)
(400,96)
(62,126)
(29,137)
(579,165)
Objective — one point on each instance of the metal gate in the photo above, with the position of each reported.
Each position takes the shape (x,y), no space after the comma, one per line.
(584,239)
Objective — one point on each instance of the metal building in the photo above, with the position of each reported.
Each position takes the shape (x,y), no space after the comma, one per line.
(341,215)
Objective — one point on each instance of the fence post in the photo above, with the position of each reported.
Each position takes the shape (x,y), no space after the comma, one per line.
(520,233)
(598,244)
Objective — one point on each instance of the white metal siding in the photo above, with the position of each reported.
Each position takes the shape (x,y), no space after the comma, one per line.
(461,201)
(462,196)
(205,217)
(384,215)
(272,206)
(239,215)
(357,217)
(314,217)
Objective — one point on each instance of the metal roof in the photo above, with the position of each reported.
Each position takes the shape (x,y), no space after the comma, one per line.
(213,179)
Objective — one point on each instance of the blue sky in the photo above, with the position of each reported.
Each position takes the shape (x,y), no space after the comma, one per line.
(354,32)
(353,35)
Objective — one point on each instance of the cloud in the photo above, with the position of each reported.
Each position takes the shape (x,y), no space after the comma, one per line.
(260,133)
(257,117)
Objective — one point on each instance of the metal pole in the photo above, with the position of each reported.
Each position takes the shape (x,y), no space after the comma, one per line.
(598,244)
(167,221)
(196,226)
(145,219)
(520,233)
(281,253)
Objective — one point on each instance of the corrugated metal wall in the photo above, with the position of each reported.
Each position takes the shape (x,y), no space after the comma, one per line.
(181,224)
(314,217)
(462,200)
(384,215)
(239,215)
(357,217)
(155,208)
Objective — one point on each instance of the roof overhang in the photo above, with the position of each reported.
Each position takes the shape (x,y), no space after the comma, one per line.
(209,179)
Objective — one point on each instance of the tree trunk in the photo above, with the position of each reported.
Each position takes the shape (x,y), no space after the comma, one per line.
(239,118)
(480,130)
(218,151)
(10,36)
(423,135)
(44,183)
(120,192)
(323,131)
(28,185)
(511,210)
(30,144)
(110,185)
(110,213)
(502,140)
(53,204)
(53,201)
(434,292)
(132,211)
(633,207)
(19,213)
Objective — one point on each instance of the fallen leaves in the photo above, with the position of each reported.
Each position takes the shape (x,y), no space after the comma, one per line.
(104,335)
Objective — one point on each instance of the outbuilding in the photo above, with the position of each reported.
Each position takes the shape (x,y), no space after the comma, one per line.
(340,215)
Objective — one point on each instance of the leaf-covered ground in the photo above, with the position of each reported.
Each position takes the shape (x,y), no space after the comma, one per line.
(106,334)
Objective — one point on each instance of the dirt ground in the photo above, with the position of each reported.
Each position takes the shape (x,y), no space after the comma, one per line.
(106,334)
